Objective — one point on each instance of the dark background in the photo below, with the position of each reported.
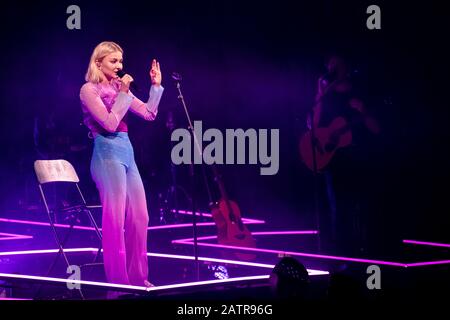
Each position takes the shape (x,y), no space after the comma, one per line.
(244,65)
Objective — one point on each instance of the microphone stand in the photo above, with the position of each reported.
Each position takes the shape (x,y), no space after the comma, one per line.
(177,78)
(316,184)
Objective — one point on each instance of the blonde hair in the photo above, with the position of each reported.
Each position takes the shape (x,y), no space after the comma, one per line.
(93,74)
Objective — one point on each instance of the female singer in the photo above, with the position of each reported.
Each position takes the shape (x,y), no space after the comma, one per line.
(106,100)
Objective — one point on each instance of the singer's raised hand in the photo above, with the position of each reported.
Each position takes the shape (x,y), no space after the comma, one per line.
(155,73)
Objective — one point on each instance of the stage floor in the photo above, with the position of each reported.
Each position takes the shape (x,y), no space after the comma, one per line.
(28,250)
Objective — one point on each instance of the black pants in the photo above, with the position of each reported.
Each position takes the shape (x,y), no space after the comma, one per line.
(348,193)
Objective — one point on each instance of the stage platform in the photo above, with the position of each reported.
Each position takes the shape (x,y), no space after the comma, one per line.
(28,250)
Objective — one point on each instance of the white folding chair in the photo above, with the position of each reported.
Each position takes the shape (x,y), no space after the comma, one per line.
(52,171)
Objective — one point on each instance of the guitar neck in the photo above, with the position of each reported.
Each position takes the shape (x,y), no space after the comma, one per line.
(223,192)
(358,120)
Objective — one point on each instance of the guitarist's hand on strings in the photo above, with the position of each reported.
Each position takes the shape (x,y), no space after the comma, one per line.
(357,104)
(370,122)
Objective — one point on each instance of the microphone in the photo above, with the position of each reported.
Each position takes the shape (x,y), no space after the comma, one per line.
(133,84)
(176,76)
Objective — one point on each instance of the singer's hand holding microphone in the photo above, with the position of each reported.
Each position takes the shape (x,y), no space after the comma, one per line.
(127,80)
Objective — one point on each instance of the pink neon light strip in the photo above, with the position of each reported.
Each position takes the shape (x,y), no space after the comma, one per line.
(189,225)
(209,215)
(428,263)
(181,225)
(37,223)
(311,272)
(397,264)
(319,256)
(259,233)
(121,286)
(292,253)
(190,242)
(168,226)
(62,280)
(9,253)
(270,233)
(200,283)
(424,243)
(12,236)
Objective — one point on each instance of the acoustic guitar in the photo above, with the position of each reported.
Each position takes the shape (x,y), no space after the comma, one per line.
(231,230)
(327,140)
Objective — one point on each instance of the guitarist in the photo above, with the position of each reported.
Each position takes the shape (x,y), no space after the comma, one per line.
(343,230)
(336,97)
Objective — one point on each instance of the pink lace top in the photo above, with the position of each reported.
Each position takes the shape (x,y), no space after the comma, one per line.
(105,107)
